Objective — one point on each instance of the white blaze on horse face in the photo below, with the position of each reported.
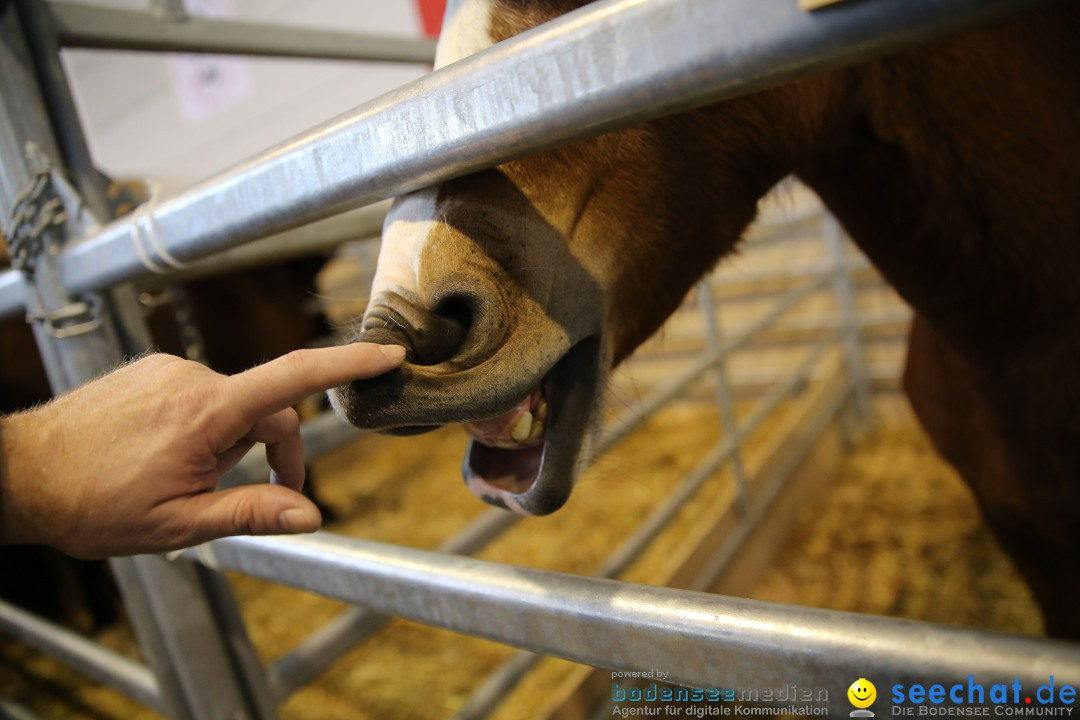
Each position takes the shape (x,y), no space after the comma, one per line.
(412,220)
(465,30)
(406,230)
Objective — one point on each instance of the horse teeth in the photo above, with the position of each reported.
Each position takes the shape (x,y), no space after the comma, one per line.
(537,429)
(522,427)
(541,411)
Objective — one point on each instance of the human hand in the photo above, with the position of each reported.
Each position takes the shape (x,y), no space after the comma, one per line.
(128,463)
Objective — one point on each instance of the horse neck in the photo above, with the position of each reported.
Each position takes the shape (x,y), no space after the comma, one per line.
(955,168)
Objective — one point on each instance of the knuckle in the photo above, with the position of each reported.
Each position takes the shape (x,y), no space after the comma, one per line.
(299,362)
(290,421)
(245,519)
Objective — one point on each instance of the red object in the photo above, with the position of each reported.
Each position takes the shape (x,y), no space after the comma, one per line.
(431,15)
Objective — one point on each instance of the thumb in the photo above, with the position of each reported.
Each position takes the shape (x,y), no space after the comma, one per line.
(252,510)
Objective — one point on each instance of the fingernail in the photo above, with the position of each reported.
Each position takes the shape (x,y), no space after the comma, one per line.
(299,520)
(395,353)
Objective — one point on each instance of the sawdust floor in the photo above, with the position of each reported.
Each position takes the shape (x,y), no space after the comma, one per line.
(897,534)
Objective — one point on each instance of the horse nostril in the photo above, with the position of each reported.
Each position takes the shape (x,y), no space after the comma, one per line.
(449,325)
(458,310)
(429,336)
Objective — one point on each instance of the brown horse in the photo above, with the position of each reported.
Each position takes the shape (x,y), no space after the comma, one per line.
(956,169)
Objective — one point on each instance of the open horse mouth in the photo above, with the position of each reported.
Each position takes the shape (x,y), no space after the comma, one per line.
(526,458)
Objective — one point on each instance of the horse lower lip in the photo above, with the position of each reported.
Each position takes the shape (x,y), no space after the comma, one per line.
(411,430)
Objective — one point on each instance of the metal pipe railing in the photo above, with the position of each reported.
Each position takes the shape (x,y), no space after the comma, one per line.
(97,26)
(843,289)
(608,65)
(12,711)
(700,639)
(722,391)
(12,293)
(792,229)
(319,650)
(323,236)
(792,271)
(626,424)
(319,237)
(86,656)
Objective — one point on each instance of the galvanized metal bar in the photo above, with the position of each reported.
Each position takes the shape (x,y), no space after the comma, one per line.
(491,692)
(41,31)
(97,26)
(75,156)
(229,626)
(731,545)
(795,228)
(626,424)
(318,237)
(722,390)
(9,710)
(610,64)
(178,631)
(843,287)
(323,236)
(28,147)
(322,648)
(793,271)
(12,294)
(699,639)
(169,9)
(86,656)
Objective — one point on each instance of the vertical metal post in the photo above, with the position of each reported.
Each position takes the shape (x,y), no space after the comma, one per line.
(187,642)
(836,246)
(172,10)
(44,46)
(724,396)
(181,635)
(45,52)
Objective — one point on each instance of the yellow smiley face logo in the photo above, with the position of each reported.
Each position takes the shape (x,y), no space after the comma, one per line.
(862,693)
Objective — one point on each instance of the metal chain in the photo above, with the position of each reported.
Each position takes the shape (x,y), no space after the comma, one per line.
(37,208)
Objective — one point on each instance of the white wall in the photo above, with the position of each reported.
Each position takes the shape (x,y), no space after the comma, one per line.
(132,107)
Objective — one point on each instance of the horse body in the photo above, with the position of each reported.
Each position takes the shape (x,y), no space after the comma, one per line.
(955,167)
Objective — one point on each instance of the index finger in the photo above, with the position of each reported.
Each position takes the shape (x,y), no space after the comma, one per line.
(287,380)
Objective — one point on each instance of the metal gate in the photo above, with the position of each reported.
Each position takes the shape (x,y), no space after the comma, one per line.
(615,63)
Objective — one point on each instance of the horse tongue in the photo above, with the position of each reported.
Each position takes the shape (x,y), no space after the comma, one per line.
(496,475)
(506,452)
